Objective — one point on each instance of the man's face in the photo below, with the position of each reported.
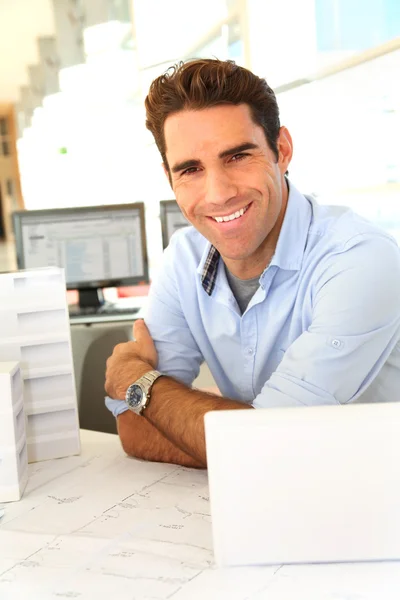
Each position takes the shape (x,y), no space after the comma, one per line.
(228,183)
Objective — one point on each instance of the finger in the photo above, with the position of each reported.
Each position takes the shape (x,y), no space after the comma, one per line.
(140,331)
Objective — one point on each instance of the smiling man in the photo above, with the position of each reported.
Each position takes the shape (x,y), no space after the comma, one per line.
(289,303)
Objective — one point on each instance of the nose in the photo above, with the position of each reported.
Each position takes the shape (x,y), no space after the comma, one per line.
(220,188)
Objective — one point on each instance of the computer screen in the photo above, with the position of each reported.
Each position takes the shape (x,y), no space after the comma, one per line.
(98,246)
(171,218)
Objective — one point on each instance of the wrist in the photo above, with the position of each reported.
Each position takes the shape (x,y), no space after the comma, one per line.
(141,368)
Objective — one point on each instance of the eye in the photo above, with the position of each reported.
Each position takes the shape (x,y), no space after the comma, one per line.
(190,171)
(239,156)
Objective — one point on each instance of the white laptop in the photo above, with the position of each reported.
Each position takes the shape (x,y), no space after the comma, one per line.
(298,485)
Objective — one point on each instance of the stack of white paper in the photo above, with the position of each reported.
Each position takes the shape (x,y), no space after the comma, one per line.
(13,454)
(34,330)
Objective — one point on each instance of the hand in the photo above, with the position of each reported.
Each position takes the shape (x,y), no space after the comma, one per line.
(129,361)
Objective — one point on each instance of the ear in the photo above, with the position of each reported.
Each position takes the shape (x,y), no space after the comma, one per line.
(285,149)
(167,173)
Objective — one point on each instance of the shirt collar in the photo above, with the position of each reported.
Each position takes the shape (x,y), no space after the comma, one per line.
(289,250)
(209,268)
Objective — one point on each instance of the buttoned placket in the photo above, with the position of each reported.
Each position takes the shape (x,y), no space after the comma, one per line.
(249,331)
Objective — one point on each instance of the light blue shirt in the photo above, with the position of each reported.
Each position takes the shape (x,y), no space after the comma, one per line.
(322,328)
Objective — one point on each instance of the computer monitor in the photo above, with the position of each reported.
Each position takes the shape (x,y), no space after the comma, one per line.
(172,219)
(98,246)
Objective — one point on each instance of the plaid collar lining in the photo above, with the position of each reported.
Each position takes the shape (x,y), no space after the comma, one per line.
(210,270)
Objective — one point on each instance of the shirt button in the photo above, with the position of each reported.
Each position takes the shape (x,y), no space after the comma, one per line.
(250,351)
(336,343)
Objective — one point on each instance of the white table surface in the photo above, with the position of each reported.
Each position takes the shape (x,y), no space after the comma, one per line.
(102,525)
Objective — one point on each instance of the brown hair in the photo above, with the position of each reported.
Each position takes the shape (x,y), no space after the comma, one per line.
(205,83)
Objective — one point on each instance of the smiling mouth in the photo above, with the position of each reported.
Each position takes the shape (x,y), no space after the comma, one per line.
(233,216)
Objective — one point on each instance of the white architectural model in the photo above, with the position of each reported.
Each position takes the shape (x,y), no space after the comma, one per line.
(13,454)
(34,330)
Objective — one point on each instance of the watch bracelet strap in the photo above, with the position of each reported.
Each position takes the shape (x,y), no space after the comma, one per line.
(151,376)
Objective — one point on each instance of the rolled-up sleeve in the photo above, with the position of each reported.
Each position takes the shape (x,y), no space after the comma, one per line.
(355,327)
(177,350)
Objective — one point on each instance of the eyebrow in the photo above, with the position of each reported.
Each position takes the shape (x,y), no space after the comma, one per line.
(187,164)
(237,149)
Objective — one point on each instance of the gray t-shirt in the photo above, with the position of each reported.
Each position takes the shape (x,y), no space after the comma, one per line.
(242,289)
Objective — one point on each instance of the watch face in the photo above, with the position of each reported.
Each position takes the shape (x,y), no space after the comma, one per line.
(136,395)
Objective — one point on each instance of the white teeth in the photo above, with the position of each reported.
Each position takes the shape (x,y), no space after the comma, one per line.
(231,217)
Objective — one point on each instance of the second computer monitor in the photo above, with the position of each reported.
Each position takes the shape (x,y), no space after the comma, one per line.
(172,219)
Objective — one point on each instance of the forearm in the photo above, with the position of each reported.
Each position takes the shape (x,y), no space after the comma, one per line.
(178,413)
(139,438)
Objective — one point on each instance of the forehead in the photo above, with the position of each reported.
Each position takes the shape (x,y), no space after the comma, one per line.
(190,132)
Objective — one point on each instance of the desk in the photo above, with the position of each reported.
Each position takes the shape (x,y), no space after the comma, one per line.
(101,525)
(137,305)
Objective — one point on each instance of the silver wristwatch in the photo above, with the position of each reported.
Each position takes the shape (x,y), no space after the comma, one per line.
(138,393)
